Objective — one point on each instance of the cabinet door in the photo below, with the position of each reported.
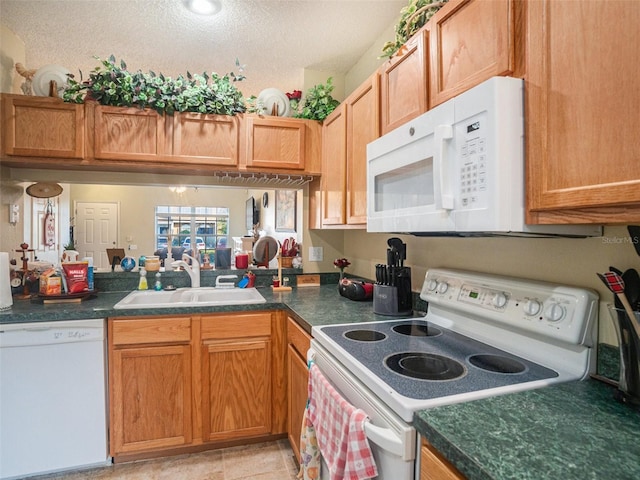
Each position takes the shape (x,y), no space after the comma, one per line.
(275,143)
(334,144)
(236,388)
(42,127)
(150,398)
(583,108)
(404,80)
(434,466)
(205,139)
(128,134)
(363,126)
(470,41)
(298,375)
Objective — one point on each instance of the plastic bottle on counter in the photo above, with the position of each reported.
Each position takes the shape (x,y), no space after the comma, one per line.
(142,284)
(158,285)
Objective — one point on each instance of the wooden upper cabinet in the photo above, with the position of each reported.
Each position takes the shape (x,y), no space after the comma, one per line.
(204,139)
(403,83)
(128,134)
(471,41)
(334,144)
(42,127)
(583,109)
(363,126)
(274,142)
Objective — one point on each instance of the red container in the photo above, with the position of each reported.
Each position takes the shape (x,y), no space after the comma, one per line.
(242,260)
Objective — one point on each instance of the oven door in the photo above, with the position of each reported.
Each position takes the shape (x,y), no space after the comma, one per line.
(410,177)
(392,441)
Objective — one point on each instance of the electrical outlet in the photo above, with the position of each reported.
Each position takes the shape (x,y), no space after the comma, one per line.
(316,254)
(133,247)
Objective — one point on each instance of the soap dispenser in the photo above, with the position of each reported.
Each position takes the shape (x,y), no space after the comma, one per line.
(142,284)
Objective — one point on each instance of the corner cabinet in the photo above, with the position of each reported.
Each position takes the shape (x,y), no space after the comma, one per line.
(582,108)
(472,41)
(346,133)
(42,127)
(178,383)
(298,342)
(280,143)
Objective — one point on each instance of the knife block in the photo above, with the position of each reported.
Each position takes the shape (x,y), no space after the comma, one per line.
(394,300)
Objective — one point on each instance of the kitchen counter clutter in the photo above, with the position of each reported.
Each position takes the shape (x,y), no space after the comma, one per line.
(310,306)
(568,431)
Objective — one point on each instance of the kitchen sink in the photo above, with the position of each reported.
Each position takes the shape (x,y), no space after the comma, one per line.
(190,297)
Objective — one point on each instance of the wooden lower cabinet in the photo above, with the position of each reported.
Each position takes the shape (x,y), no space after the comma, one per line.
(297,373)
(236,377)
(184,383)
(433,466)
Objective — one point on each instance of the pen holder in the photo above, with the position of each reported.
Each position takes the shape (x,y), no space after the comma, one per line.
(629,345)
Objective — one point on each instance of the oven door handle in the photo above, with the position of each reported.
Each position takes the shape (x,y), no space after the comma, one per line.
(384,438)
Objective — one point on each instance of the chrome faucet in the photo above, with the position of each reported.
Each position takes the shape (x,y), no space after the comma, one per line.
(193,270)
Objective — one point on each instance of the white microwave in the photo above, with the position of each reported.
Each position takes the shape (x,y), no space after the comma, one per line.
(457,169)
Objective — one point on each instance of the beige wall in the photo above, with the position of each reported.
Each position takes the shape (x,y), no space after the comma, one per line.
(562,260)
(12,52)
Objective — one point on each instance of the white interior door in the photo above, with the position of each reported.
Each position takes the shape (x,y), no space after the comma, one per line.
(96,229)
(45,252)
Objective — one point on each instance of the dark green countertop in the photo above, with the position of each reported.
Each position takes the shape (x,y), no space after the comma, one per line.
(309,305)
(569,431)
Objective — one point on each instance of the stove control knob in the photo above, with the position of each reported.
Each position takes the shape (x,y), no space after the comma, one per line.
(431,285)
(554,312)
(442,287)
(499,300)
(531,307)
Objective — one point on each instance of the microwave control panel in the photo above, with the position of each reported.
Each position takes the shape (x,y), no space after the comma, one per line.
(473,163)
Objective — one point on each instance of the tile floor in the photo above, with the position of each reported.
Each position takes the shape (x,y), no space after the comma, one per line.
(262,461)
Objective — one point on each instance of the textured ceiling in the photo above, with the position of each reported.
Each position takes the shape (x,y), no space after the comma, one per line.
(275,39)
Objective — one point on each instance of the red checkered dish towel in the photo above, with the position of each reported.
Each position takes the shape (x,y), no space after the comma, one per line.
(340,431)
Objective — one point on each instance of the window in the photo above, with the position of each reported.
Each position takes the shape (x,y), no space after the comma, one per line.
(182,227)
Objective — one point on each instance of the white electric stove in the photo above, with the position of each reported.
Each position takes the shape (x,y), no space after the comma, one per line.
(483,335)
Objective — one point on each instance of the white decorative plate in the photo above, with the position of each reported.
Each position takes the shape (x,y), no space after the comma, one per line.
(44,75)
(272,96)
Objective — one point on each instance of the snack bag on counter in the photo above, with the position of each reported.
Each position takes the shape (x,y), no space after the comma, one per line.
(50,282)
(76,274)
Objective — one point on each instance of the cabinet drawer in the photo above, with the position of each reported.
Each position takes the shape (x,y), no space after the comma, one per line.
(297,337)
(224,326)
(140,331)
(434,466)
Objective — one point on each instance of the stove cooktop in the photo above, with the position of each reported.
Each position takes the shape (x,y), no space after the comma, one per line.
(421,361)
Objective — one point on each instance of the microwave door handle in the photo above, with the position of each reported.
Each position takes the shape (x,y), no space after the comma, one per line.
(441,169)
(385,438)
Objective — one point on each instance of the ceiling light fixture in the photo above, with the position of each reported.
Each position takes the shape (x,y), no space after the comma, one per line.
(203,7)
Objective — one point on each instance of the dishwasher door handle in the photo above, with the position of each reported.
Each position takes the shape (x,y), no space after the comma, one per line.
(385,438)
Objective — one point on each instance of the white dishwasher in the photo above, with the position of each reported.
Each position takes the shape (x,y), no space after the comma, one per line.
(52,397)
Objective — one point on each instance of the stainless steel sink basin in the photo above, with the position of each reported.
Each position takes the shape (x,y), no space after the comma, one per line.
(190,297)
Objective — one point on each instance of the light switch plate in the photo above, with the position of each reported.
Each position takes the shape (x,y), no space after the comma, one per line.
(316,254)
